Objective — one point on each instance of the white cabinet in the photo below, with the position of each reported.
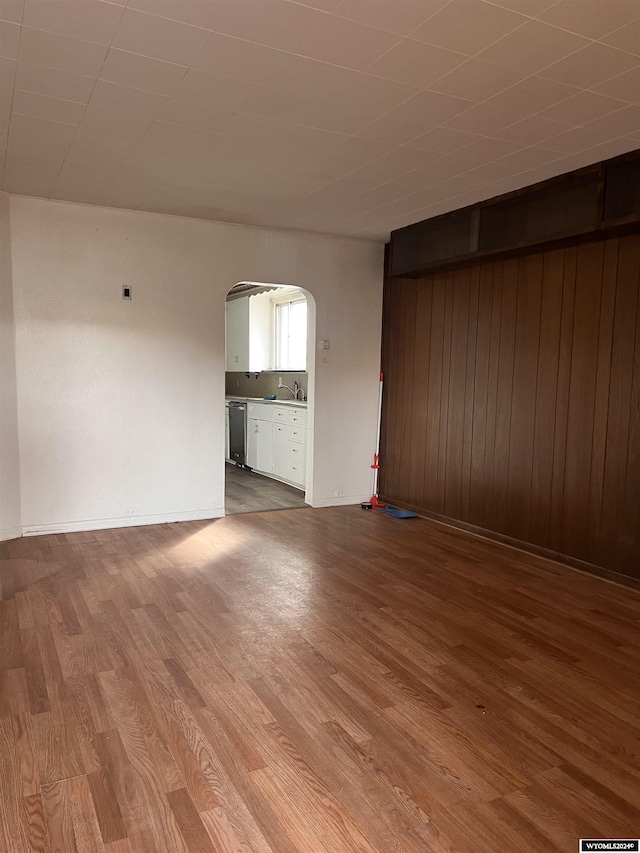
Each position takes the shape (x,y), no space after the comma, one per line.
(260,437)
(281,450)
(237,334)
(249,330)
(277,441)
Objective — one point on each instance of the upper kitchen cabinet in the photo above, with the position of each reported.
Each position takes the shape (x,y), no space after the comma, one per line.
(249,333)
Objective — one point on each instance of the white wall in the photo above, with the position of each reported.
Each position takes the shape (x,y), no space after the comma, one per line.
(121,403)
(10,523)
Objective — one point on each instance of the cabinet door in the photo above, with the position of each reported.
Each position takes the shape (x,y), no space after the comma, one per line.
(237,333)
(280,450)
(252,443)
(264,447)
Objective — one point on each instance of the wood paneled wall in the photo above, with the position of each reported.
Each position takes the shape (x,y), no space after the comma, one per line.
(512,398)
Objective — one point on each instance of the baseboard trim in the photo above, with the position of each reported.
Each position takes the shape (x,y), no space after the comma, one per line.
(519,545)
(10,533)
(343,500)
(112,523)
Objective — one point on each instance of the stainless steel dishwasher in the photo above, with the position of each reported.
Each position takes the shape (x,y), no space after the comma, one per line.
(238,432)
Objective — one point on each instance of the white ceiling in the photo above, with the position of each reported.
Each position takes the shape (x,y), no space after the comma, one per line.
(349,117)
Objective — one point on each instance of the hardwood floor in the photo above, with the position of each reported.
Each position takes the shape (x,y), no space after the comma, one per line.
(249,492)
(311,680)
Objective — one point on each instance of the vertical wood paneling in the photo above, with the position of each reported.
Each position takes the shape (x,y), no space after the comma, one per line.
(479,414)
(619,421)
(546,391)
(523,398)
(582,388)
(497,519)
(421,378)
(513,398)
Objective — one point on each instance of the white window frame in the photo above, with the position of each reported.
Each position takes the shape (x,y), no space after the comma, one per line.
(277,302)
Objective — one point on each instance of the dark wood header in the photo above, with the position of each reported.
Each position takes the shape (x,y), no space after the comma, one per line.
(594,200)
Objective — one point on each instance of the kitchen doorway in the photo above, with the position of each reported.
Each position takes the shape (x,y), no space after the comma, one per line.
(269,373)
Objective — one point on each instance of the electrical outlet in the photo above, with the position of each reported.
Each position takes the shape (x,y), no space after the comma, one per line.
(339,493)
(130,510)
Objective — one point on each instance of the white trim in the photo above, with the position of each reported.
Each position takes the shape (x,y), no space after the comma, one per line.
(10,533)
(109,523)
(345,500)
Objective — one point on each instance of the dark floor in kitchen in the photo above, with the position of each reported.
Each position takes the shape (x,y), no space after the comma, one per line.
(249,492)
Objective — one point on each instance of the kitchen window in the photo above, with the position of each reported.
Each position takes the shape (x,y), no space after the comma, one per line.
(290,334)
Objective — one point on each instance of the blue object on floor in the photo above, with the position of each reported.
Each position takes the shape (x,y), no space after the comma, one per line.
(394,512)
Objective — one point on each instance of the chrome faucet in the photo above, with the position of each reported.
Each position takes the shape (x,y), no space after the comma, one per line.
(295,390)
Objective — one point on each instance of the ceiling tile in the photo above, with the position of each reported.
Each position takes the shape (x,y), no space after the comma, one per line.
(54,83)
(581,108)
(22,180)
(301,74)
(532,130)
(7,72)
(592,65)
(198,13)
(526,98)
(54,109)
(532,47)
(243,60)
(625,86)
(627,38)
(591,18)
(205,100)
(395,164)
(261,140)
(313,112)
(333,194)
(159,38)
(530,158)
(11,10)
(9,39)
(375,93)
(39,142)
(476,80)
(347,43)
(468,26)
(532,8)
(277,23)
(88,20)
(442,140)
(80,181)
(416,64)
(141,72)
(124,101)
(579,138)
(621,122)
(61,52)
(395,17)
(349,154)
(478,153)
(415,117)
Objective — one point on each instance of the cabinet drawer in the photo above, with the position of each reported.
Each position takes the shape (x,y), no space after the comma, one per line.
(297,433)
(296,472)
(297,417)
(261,411)
(280,414)
(296,452)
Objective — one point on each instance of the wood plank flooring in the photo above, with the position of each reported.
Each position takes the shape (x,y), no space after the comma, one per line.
(311,680)
(249,492)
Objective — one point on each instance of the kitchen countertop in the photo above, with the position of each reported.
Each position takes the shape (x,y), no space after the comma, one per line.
(301,404)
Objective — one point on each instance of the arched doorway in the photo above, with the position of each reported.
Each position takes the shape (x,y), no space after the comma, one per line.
(269,396)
